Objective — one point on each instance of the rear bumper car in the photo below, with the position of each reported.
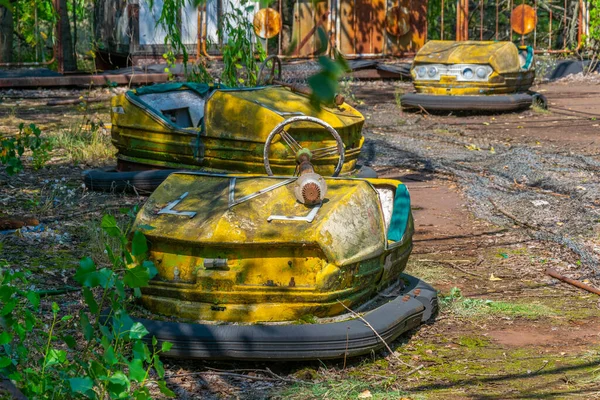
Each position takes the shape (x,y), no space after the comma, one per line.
(472,76)
(190,126)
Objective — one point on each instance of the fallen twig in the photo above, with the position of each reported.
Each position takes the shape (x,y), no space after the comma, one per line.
(414,370)
(424,110)
(573,282)
(376,334)
(512,217)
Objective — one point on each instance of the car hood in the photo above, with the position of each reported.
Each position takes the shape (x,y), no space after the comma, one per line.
(503,57)
(251,114)
(348,227)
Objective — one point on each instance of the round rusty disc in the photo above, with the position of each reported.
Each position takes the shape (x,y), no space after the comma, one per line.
(267,23)
(397,21)
(523,19)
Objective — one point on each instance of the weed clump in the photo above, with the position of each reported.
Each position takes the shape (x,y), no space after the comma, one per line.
(467,307)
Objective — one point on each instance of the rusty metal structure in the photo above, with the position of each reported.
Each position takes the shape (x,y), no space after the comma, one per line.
(356,28)
(553,26)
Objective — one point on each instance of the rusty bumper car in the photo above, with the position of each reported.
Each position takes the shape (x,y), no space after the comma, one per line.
(472,76)
(268,267)
(190,126)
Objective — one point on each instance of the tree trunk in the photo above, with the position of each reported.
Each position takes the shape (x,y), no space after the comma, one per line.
(66,43)
(6,34)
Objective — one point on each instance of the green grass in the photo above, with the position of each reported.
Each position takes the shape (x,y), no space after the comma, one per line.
(467,307)
(379,388)
(88,143)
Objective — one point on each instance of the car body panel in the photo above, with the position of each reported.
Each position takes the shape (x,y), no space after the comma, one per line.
(231,132)
(274,269)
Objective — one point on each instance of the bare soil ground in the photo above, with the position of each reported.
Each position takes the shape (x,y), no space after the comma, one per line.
(505,331)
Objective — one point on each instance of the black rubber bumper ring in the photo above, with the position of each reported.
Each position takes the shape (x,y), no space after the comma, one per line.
(418,303)
(112,180)
(509,102)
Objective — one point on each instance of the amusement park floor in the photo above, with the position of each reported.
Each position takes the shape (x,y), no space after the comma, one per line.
(497,199)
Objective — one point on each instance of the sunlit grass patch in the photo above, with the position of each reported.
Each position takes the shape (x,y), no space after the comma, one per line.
(461,306)
(344,389)
(89,143)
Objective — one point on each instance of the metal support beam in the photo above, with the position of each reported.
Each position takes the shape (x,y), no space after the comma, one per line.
(462,20)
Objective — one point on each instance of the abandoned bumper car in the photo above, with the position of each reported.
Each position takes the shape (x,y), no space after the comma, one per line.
(269,267)
(471,76)
(188,126)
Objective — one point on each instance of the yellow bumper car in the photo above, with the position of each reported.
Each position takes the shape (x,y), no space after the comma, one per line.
(268,267)
(471,76)
(188,126)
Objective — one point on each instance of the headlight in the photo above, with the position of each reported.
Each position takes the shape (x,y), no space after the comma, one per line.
(421,71)
(432,72)
(482,73)
(467,73)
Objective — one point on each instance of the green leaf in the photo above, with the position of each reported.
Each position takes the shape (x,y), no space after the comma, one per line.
(90,300)
(154,341)
(86,327)
(166,346)
(97,370)
(5,362)
(34,299)
(323,88)
(137,331)
(141,351)
(162,385)
(142,394)
(136,277)
(81,385)
(55,307)
(121,323)
(55,357)
(109,225)
(5,338)
(120,288)
(137,372)
(8,307)
(7,291)
(139,245)
(119,383)
(158,366)
(70,341)
(152,271)
(86,273)
(109,356)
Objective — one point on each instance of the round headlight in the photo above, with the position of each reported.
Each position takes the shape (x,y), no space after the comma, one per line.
(467,73)
(481,73)
(421,71)
(432,72)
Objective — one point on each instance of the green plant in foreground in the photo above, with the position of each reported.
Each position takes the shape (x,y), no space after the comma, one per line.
(98,353)
(12,148)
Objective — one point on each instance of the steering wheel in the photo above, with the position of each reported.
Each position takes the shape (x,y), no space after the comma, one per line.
(315,154)
(275,62)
